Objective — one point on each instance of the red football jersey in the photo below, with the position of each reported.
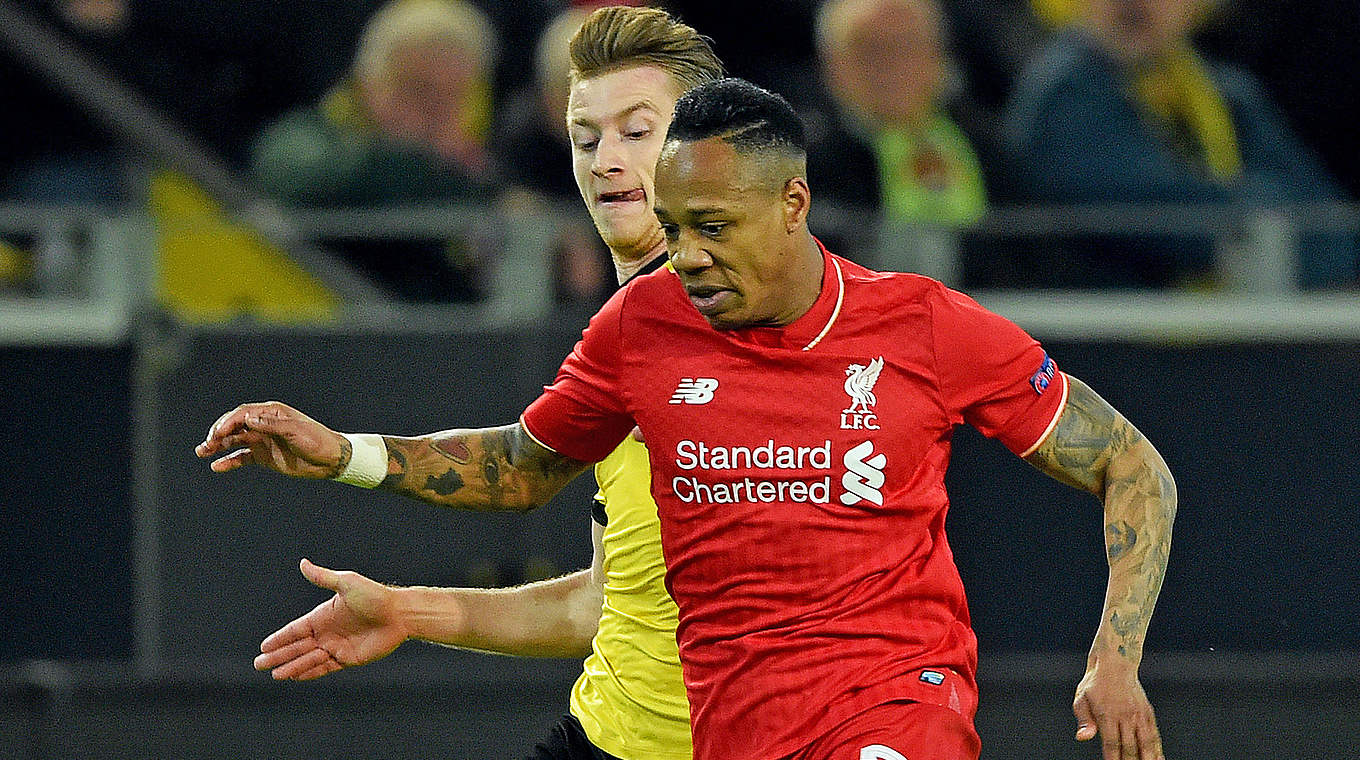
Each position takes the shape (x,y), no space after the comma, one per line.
(799,477)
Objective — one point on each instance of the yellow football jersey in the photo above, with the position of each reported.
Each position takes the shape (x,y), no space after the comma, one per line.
(630,698)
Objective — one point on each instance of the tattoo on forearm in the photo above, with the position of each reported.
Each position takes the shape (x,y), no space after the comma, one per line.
(1094,448)
(396,460)
(494,468)
(1120,537)
(444,484)
(346,453)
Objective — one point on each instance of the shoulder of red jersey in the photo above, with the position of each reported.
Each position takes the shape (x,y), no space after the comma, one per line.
(900,287)
(654,294)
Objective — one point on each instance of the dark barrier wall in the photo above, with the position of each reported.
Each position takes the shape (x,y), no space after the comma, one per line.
(1261,439)
(65,503)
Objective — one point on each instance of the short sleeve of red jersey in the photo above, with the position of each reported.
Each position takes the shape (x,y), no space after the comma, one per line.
(582,414)
(993,375)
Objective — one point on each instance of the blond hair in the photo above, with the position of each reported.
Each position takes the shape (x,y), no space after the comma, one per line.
(618,37)
(403,23)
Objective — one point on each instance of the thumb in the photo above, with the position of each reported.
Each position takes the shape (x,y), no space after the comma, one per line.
(1086,720)
(320,576)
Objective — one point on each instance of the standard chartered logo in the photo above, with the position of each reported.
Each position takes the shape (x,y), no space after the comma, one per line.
(772,472)
(863,475)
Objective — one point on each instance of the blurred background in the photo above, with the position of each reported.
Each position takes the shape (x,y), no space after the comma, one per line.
(203,203)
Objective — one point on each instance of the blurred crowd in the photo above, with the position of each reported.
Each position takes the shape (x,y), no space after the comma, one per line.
(923,116)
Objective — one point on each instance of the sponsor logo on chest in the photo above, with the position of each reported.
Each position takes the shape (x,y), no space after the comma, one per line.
(773,470)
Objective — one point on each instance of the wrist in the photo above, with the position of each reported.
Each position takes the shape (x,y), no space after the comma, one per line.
(1121,656)
(367,464)
(430,614)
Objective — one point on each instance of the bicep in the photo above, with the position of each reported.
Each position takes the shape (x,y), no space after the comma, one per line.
(1088,436)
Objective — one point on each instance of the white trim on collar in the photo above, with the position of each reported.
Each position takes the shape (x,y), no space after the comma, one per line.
(836,312)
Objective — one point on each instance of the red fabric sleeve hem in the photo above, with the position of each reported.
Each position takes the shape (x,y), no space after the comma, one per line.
(1042,435)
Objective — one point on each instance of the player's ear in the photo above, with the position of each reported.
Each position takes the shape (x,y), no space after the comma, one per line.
(797,201)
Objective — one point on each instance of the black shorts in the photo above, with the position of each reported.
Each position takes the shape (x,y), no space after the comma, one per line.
(567,741)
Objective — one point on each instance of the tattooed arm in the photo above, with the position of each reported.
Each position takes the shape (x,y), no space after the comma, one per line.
(488,469)
(1094,448)
(493,468)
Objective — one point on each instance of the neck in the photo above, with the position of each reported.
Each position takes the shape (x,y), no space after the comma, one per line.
(807,284)
(629,259)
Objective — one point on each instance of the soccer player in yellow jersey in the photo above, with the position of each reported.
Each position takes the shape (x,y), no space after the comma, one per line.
(628,67)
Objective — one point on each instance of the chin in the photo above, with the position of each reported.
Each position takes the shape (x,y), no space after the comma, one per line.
(622,236)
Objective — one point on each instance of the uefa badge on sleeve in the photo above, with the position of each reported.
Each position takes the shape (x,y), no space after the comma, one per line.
(1044,376)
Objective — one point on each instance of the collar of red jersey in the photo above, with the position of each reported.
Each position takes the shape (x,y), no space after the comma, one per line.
(836,310)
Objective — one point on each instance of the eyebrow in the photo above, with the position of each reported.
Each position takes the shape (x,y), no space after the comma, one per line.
(621,115)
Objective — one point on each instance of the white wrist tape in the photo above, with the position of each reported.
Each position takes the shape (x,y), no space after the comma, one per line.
(367,460)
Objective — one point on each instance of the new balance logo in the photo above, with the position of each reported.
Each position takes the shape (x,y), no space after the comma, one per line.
(694,390)
(863,475)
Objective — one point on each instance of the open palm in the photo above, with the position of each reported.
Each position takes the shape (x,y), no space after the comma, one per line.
(355,627)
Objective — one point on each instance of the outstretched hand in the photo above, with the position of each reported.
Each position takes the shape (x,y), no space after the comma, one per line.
(357,626)
(1111,703)
(275,436)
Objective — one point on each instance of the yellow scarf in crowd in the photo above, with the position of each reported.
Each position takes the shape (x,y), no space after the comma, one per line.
(1178,91)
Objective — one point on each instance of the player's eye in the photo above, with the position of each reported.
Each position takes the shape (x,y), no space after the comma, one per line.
(671,231)
(712,229)
(586,145)
(637,134)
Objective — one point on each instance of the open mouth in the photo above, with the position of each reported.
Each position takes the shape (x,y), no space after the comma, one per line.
(622,196)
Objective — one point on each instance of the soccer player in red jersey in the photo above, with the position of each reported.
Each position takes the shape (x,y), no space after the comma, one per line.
(798,410)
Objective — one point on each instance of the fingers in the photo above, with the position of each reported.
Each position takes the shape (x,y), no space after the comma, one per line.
(233,461)
(1133,738)
(228,424)
(1149,741)
(313,663)
(299,629)
(266,418)
(276,656)
(325,668)
(1111,746)
(270,419)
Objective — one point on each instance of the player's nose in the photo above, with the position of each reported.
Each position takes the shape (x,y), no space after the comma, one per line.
(609,158)
(687,255)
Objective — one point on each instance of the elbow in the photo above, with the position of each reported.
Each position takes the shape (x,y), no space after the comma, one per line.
(1139,471)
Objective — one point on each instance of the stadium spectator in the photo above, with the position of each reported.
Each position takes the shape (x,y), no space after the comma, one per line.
(886,63)
(407,126)
(820,612)
(533,148)
(1121,108)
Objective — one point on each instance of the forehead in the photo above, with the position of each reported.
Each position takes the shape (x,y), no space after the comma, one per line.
(617,93)
(880,23)
(703,172)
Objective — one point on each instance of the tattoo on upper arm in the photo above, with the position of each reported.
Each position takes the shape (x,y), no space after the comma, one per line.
(494,468)
(1094,448)
(1088,434)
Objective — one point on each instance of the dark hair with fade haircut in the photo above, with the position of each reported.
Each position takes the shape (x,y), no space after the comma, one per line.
(748,117)
(619,36)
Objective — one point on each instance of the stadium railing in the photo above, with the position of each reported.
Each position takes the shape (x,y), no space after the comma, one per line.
(94,269)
